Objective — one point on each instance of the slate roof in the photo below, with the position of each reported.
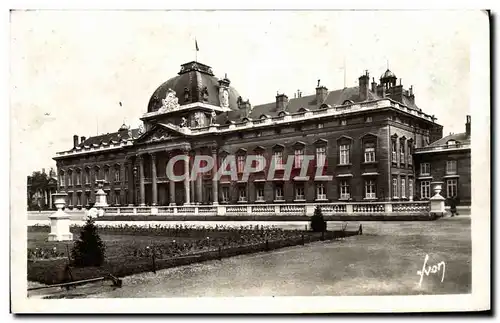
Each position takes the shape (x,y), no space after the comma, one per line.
(334,98)
(106,138)
(460,138)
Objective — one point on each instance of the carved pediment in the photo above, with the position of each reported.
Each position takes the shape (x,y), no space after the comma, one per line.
(157,134)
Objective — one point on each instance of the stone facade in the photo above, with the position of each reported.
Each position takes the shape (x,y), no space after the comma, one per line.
(367,137)
(447,160)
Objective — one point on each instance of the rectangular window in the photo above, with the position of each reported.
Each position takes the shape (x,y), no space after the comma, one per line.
(369,153)
(278,159)
(117,197)
(370,189)
(241,163)
(70,199)
(126,174)
(402,152)
(78,178)
(403,187)
(451,167)
(299,157)
(299,192)
(96,175)
(394,187)
(242,194)
(410,156)
(425,189)
(344,154)
(410,187)
(106,174)
(79,199)
(425,169)
(70,179)
(61,180)
(108,197)
(320,191)
(394,152)
(225,194)
(451,188)
(259,193)
(117,175)
(320,156)
(344,190)
(278,192)
(87,198)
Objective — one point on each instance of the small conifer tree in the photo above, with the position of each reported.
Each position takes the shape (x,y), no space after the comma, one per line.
(318,223)
(89,249)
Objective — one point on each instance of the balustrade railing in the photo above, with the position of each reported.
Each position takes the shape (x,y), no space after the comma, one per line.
(300,209)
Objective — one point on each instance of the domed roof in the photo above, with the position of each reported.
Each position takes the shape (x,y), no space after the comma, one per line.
(388,74)
(195,83)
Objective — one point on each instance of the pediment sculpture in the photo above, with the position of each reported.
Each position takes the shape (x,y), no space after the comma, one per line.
(158,135)
(170,103)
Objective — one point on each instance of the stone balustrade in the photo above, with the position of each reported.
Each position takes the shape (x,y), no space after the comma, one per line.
(296,209)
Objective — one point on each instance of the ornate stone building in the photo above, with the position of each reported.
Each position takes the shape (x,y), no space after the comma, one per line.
(447,160)
(364,137)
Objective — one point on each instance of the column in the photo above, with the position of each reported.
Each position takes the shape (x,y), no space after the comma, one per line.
(50,199)
(171,186)
(142,200)
(154,186)
(215,183)
(130,169)
(187,188)
(191,181)
(199,189)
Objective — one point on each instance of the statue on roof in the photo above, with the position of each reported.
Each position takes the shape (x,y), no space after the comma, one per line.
(183,122)
(213,115)
(171,102)
(141,130)
(204,94)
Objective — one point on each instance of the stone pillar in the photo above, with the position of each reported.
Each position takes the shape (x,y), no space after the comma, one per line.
(60,221)
(171,184)
(199,188)
(130,182)
(142,201)
(171,189)
(215,182)
(50,199)
(154,186)
(186,180)
(192,181)
(437,206)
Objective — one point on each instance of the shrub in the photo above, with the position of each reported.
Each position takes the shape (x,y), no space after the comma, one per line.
(89,250)
(318,223)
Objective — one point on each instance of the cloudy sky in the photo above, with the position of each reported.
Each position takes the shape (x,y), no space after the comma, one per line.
(70,69)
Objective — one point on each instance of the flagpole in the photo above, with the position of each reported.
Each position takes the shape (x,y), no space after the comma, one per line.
(195,50)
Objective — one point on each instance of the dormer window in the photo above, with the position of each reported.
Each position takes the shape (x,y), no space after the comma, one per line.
(452,143)
(343,122)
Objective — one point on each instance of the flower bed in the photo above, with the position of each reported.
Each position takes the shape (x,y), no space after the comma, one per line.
(170,247)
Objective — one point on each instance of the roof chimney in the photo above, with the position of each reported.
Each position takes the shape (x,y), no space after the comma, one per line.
(82,139)
(321,94)
(374,85)
(75,141)
(281,102)
(467,126)
(364,81)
